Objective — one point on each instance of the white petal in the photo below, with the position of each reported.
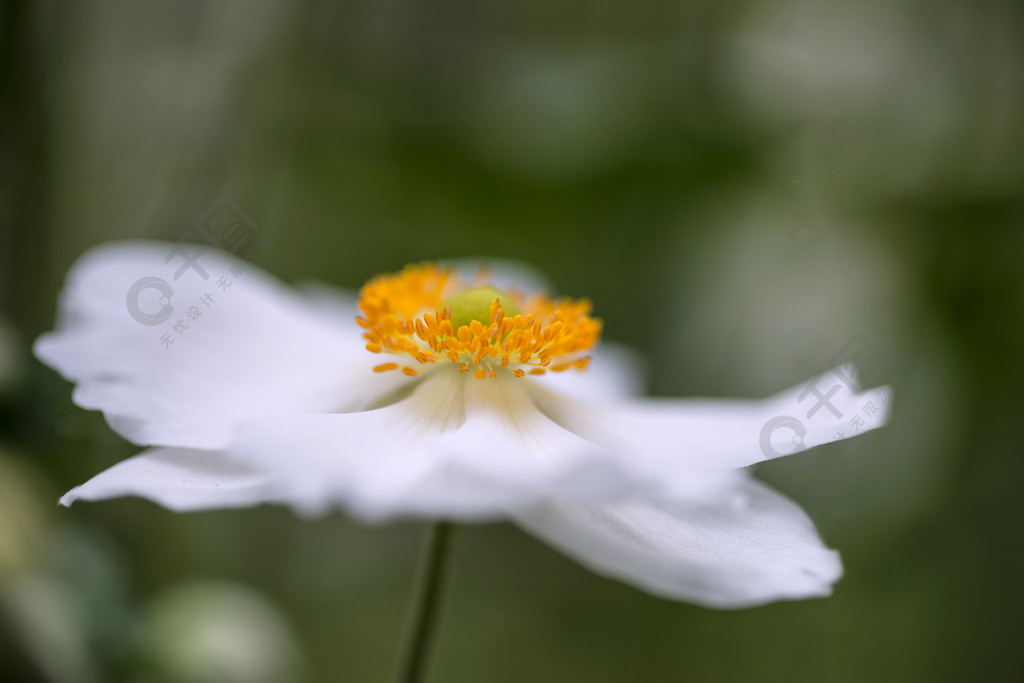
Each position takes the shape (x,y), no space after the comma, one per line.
(332,303)
(500,273)
(457,447)
(749,548)
(255,349)
(714,434)
(615,372)
(180,479)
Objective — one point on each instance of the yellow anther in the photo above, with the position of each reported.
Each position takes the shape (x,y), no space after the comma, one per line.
(424,314)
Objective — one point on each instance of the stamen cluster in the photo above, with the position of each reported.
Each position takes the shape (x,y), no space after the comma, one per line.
(406,314)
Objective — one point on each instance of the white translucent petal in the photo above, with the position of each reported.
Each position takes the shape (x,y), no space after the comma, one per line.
(679,435)
(182,480)
(748,548)
(255,348)
(500,273)
(333,303)
(615,372)
(456,447)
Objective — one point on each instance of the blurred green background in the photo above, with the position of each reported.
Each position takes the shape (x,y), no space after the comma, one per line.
(741,188)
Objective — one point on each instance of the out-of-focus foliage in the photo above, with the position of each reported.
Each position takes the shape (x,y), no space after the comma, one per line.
(743,189)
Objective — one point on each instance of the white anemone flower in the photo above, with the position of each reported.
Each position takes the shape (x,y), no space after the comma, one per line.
(444,395)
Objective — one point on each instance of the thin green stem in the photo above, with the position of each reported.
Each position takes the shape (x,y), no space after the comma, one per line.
(425,606)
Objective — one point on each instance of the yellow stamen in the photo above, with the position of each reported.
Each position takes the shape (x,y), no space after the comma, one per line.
(424,313)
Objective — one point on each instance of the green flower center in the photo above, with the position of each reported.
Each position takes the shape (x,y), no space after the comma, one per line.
(475,304)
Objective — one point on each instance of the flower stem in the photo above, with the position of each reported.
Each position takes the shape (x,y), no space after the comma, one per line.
(423,610)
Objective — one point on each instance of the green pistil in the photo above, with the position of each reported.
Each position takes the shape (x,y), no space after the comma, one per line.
(475,304)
